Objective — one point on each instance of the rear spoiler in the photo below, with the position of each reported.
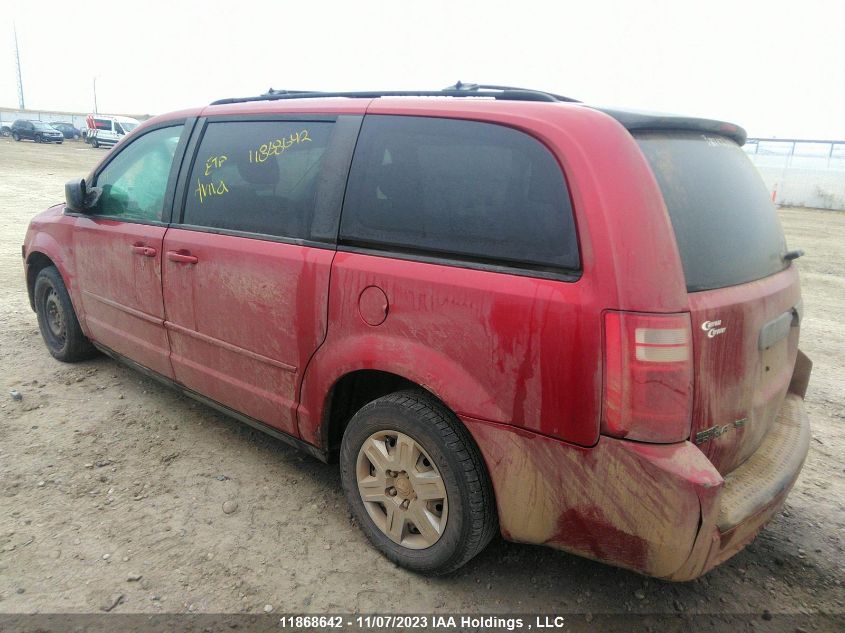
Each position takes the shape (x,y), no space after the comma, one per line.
(646,121)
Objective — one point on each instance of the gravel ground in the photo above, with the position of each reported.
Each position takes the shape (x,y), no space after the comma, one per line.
(118,494)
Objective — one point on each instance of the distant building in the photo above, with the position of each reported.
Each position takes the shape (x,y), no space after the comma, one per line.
(801,172)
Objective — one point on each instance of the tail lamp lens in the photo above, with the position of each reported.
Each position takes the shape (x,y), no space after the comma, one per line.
(647,376)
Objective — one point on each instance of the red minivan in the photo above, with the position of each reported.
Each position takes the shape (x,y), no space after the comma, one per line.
(498,309)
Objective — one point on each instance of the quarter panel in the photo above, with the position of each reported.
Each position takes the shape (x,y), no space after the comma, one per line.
(513,349)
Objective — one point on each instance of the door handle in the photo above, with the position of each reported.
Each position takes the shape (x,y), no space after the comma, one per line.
(146,251)
(181,257)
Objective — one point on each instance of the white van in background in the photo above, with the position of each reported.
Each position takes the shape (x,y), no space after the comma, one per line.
(106,131)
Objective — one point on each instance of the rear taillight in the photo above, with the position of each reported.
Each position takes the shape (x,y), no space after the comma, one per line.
(647,376)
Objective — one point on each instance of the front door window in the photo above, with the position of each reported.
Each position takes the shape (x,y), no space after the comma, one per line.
(134,183)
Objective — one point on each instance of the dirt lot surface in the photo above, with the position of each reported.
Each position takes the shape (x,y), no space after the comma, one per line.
(112,487)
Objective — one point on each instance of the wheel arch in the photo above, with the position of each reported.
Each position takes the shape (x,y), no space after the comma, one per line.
(374,366)
(348,394)
(36,262)
(45,251)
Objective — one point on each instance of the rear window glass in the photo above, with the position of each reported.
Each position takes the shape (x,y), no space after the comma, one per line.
(726,226)
(460,190)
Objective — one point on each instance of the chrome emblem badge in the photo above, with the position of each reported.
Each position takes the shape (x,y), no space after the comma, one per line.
(713,328)
(718,431)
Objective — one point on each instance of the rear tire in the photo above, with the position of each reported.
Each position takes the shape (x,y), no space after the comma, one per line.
(57,319)
(432,476)
(16,136)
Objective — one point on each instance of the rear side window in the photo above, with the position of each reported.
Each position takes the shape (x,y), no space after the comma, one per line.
(458,189)
(727,230)
(257,177)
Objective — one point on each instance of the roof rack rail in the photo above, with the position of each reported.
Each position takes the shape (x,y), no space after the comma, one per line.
(502,93)
(273,91)
(476,87)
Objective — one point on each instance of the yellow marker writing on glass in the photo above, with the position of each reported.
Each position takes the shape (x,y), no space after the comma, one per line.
(214,162)
(278,146)
(204,190)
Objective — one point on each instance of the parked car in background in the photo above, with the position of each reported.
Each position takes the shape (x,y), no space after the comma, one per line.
(37,131)
(503,313)
(6,129)
(68,130)
(106,131)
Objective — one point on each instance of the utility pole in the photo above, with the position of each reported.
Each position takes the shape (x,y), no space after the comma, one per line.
(21,103)
(95,95)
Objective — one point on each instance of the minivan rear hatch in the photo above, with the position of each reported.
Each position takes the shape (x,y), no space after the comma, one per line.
(744,296)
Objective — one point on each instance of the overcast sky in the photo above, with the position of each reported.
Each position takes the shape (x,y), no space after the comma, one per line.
(775,67)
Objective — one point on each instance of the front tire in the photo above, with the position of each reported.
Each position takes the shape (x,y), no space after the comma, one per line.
(37,138)
(95,143)
(416,483)
(16,136)
(57,319)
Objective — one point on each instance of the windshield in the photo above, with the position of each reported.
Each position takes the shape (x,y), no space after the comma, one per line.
(43,127)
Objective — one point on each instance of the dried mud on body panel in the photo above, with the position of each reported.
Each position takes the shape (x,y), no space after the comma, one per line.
(770,470)
(631,505)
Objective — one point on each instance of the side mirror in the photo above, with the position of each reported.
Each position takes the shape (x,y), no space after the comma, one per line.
(79,198)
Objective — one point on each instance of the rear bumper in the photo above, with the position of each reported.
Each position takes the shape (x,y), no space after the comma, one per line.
(753,493)
(661,510)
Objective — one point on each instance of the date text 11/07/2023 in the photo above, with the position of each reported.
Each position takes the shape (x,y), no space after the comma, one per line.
(259,155)
(435,622)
